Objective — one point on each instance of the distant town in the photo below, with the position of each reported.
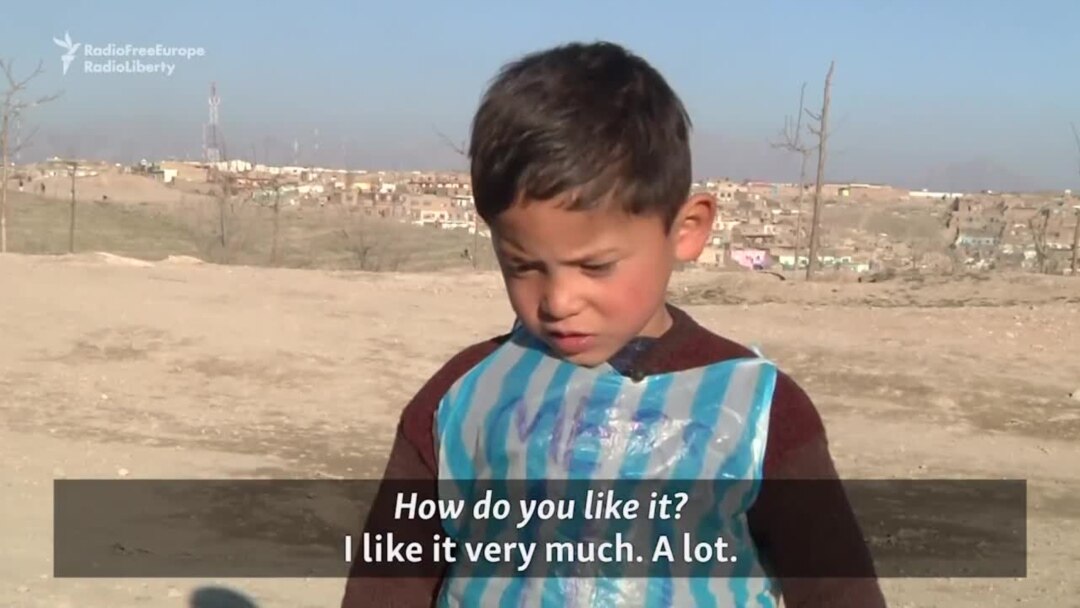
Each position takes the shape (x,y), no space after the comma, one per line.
(866,228)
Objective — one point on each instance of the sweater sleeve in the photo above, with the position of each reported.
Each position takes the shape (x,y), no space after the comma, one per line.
(798,523)
(412,458)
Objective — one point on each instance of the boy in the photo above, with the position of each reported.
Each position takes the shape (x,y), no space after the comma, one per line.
(581,167)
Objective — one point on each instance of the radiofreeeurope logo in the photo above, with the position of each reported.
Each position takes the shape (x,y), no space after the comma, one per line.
(115,58)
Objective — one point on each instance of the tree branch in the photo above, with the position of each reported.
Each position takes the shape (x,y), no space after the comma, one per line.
(1076,136)
(8,65)
(791,138)
(12,108)
(24,144)
(460,150)
(821,131)
(41,100)
(15,85)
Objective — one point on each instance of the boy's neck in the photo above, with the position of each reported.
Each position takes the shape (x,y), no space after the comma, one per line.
(658,325)
(628,358)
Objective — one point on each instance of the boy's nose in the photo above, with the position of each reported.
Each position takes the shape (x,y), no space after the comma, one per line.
(560,300)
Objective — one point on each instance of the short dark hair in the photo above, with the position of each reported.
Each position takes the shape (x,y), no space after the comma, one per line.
(593,121)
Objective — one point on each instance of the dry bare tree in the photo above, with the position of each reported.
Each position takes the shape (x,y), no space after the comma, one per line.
(1038,236)
(74,166)
(462,151)
(12,109)
(822,133)
(950,236)
(361,241)
(223,195)
(277,221)
(1076,227)
(791,140)
(1076,243)
(1076,138)
(235,221)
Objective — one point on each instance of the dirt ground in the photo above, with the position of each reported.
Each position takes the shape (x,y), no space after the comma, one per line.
(179,370)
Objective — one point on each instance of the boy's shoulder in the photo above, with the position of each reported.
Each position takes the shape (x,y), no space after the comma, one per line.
(417,419)
(689,344)
(794,420)
(458,365)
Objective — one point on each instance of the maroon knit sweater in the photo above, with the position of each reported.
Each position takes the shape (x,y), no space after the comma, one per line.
(787,532)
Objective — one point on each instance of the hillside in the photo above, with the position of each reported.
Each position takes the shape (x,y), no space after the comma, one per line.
(309,237)
(113,367)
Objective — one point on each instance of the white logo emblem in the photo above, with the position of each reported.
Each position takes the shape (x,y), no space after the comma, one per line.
(71,47)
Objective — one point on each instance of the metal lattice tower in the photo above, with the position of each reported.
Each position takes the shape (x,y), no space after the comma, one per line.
(211,147)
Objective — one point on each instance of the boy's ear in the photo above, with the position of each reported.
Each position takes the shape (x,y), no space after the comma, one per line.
(693,226)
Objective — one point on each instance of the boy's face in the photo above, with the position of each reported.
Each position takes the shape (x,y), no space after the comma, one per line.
(587,282)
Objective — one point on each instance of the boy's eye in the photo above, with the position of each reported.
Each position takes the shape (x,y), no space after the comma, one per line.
(598,268)
(522,268)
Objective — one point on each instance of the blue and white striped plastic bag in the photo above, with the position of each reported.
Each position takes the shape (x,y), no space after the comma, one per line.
(524,414)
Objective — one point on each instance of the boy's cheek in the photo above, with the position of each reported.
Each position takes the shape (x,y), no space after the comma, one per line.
(638,284)
(523,298)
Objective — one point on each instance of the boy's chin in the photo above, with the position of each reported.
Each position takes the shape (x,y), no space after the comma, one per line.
(590,358)
(584,360)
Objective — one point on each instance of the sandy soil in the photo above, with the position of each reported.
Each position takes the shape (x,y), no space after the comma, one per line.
(186,370)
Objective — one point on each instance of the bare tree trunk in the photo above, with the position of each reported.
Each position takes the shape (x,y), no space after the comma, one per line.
(1046,254)
(277,219)
(1076,244)
(223,200)
(462,151)
(367,252)
(13,106)
(3,182)
(799,210)
(1076,229)
(791,140)
(71,227)
(1038,237)
(823,136)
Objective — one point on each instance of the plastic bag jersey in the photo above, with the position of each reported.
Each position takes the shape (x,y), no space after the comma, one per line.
(524,414)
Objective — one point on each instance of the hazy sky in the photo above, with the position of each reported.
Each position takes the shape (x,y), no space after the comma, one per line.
(929,93)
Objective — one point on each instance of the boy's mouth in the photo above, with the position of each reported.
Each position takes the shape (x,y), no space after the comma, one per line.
(571,343)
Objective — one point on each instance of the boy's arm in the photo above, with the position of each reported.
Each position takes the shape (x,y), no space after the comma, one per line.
(412,460)
(804,522)
(405,463)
